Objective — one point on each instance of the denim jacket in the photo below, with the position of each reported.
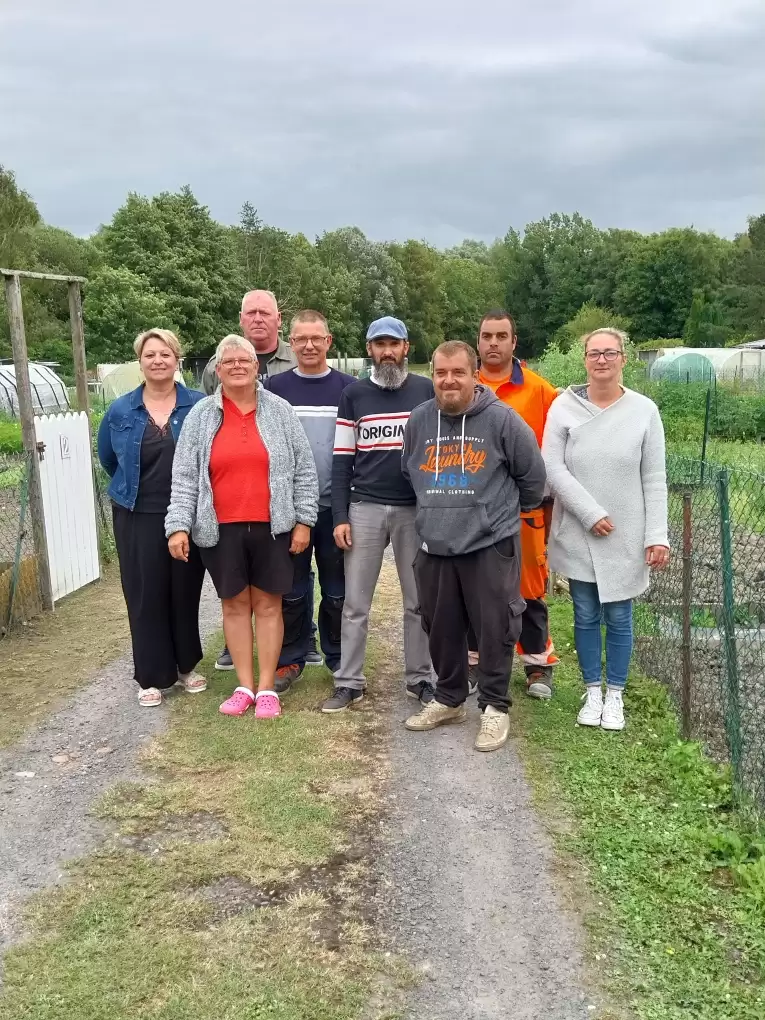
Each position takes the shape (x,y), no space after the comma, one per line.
(121,434)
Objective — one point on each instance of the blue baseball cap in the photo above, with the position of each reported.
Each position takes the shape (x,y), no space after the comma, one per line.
(389,327)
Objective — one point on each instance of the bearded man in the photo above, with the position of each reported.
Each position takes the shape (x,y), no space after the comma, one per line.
(373,506)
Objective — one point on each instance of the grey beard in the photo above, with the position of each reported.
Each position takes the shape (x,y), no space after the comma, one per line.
(390,376)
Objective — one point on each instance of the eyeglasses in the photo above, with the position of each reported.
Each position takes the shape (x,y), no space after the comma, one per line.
(303,341)
(235,362)
(608,355)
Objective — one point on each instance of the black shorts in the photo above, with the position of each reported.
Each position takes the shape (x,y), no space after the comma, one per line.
(247,554)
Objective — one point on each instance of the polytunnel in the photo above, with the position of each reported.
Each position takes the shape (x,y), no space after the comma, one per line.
(702,364)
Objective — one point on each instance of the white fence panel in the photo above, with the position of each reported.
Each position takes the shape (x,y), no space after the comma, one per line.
(66,474)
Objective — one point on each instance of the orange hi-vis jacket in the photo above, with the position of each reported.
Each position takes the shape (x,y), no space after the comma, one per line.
(527,393)
(531,397)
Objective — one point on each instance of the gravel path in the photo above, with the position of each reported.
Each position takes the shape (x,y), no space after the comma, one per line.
(467,888)
(50,780)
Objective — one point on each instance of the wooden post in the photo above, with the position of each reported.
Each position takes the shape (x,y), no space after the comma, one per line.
(78,347)
(27,416)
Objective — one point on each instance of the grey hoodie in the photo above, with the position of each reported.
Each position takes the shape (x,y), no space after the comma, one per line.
(472,474)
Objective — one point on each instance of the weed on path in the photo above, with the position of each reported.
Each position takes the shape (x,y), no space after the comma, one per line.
(673,875)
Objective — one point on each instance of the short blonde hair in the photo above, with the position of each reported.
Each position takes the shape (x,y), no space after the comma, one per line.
(233,341)
(618,334)
(165,336)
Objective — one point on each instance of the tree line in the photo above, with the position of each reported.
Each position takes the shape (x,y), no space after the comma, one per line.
(164,261)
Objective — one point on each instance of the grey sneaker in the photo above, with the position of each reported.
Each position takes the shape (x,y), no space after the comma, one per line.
(472,680)
(422,692)
(343,699)
(314,658)
(539,683)
(286,676)
(224,660)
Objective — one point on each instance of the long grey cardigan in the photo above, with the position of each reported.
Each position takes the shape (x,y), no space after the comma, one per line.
(605,463)
(291,469)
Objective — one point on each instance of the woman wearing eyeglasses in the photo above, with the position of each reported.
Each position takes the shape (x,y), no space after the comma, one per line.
(604,453)
(245,489)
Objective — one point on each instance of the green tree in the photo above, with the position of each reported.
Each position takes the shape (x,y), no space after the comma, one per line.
(470,289)
(659,277)
(119,304)
(18,217)
(589,317)
(378,278)
(743,293)
(423,304)
(185,257)
(705,325)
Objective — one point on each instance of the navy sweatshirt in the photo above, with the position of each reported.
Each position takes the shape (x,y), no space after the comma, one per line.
(315,399)
(369,437)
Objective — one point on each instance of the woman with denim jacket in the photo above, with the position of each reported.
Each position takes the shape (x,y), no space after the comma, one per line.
(136,445)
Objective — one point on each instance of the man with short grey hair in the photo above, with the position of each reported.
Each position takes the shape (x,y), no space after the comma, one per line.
(260,320)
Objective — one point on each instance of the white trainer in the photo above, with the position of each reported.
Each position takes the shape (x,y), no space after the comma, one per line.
(613,711)
(592,709)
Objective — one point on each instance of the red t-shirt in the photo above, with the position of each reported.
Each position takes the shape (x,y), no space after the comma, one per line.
(239,469)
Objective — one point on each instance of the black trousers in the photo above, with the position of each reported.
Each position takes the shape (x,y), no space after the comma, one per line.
(479,590)
(162,597)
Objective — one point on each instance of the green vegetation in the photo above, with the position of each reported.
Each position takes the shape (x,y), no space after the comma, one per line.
(673,874)
(234,885)
(165,261)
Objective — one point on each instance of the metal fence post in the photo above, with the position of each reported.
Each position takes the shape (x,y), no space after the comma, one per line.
(707,411)
(685,694)
(733,708)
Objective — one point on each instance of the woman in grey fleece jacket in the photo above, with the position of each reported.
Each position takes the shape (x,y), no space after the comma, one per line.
(245,488)
(603,449)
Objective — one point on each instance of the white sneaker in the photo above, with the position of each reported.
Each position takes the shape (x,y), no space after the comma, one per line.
(592,709)
(613,711)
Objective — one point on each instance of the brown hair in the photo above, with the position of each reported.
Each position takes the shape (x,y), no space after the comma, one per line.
(498,313)
(451,348)
(165,336)
(309,315)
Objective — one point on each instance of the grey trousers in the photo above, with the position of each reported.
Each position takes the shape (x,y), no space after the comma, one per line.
(373,526)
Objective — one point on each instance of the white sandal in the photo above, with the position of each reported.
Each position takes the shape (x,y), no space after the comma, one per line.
(149,697)
(193,683)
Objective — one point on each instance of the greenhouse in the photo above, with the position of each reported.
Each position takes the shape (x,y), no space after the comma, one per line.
(704,364)
(49,393)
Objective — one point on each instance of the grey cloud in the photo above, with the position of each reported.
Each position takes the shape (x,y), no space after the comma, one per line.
(425,119)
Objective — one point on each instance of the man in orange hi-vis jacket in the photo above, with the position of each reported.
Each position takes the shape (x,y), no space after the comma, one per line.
(530,396)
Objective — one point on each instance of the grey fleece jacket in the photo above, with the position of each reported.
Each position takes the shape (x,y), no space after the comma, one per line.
(472,474)
(291,469)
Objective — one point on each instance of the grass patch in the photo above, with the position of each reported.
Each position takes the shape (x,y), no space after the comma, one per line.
(236,883)
(55,653)
(677,872)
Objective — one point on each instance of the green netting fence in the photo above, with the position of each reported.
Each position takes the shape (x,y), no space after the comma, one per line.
(700,628)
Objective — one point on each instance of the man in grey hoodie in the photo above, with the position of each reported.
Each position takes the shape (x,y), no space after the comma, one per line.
(474,464)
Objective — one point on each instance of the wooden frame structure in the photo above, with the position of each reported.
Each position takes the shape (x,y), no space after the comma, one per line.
(12,278)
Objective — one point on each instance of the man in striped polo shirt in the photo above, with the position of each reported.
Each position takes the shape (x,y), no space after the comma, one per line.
(373,505)
(314,390)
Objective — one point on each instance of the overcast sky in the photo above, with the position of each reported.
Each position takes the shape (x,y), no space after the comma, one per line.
(409,118)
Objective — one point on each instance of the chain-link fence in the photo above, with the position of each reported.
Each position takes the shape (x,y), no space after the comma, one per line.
(19,586)
(701,626)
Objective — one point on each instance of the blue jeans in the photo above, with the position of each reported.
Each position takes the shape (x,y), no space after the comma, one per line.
(589,612)
(297,607)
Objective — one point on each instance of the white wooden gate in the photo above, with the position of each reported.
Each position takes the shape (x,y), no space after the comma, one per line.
(66,475)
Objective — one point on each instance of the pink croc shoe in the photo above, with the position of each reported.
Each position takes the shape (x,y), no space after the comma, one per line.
(267,705)
(238,703)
